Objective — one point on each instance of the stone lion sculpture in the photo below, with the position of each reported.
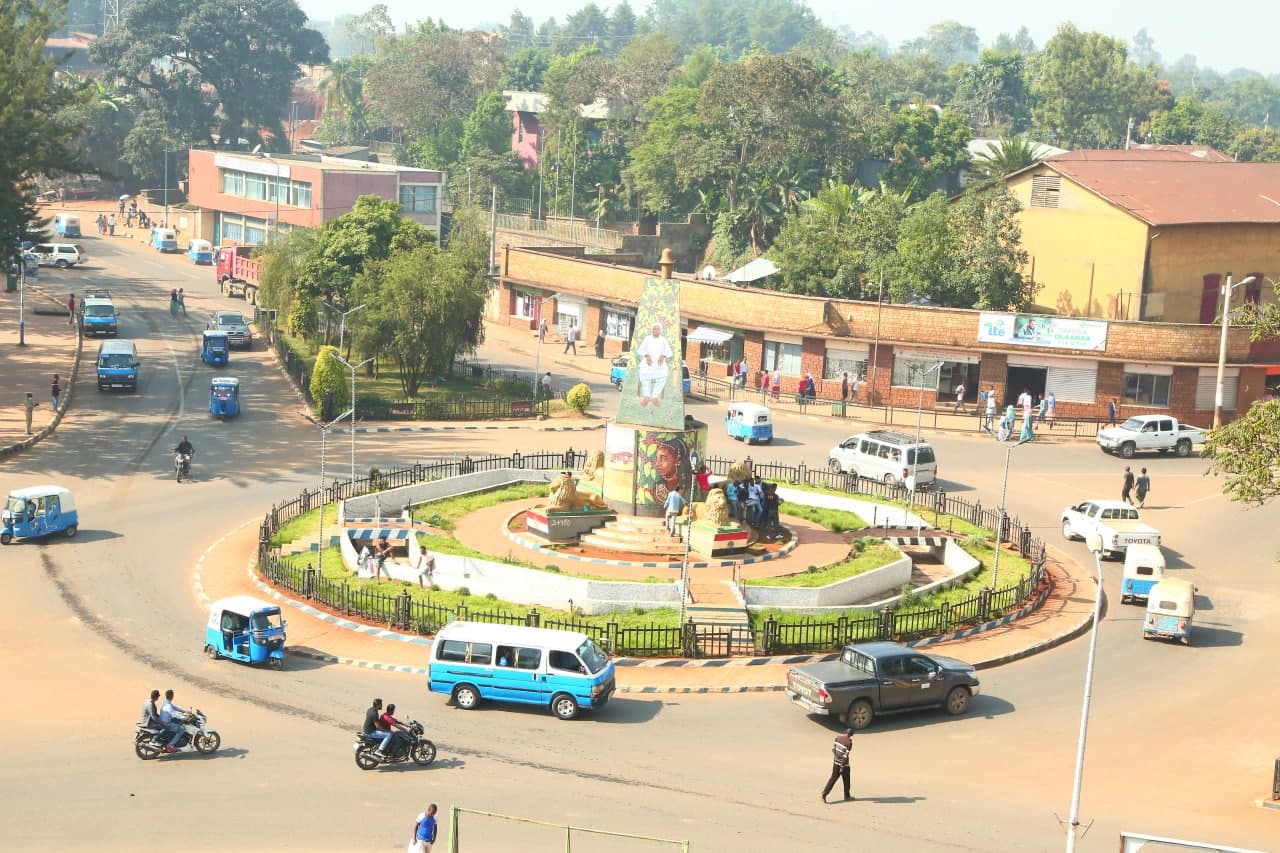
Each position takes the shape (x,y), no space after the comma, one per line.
(564,496)
(716,508)
(739,471)
(593,468)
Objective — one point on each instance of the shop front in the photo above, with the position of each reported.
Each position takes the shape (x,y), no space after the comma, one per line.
(939,371)
(1070,380)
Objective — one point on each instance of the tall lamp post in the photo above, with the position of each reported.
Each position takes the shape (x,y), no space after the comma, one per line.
(324,431)
(342,325)
(353,368)
(166,187)
(1222,346)
(1073,821)
(915,454)
(1004,491)
(694,462)
(22,292)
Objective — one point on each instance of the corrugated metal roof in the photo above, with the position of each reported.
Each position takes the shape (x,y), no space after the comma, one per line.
(1182,192)
(1196,153)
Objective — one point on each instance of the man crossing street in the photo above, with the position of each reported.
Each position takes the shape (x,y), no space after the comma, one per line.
(840,764)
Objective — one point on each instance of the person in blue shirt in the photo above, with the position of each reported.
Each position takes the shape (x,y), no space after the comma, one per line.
(674,506)
(424,832)
(731,496)
(172,716)
(755,502)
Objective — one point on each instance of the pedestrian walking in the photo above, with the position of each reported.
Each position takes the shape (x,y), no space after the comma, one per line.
(111,224)
(1141,487)
(600,347)
(29,405)
(424,831)
(71,309)
(1042,409)
(840,764)
(960,389)
(426,568)
(844,388)
(182,301)
(1128,485)
(382,552)
(542,331)
(777,385)
(1111,413)
(546,385)
(1028,432)
(673,507)
(853,389)
(1050,411)
(764,385)
(570,341)
(55,392)
(991,410)
(122,205)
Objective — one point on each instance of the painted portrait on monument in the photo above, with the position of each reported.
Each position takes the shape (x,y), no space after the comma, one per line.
(652,389)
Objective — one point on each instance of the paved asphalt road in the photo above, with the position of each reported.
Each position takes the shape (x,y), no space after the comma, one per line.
(1181,741)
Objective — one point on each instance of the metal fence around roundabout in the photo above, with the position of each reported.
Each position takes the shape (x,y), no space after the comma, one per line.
(802,634)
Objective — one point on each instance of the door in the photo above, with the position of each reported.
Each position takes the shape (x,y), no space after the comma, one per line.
(1031,379)
(913,683)
(531,686)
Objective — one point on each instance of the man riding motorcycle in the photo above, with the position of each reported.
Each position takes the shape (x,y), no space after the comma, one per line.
(172,716)
(183,454)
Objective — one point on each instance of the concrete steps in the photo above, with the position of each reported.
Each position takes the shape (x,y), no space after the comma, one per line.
(639,535)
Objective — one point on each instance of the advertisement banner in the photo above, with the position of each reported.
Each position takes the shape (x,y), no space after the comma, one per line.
(651,391)
(1037,331)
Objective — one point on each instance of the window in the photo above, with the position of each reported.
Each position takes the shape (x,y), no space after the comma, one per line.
(416,198)
(617,325)
(782,356)
(301,194)
(255,186)
(460,651)
(522,305)
(910,373)
(233,182)
(592,655)
(840,362)
(233,229)
(1046,190)
(919,666)
(528,658)
(1146,389)
(506,656)
(565,662)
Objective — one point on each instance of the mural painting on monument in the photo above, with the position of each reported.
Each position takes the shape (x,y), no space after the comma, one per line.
(651,390)
(662,464)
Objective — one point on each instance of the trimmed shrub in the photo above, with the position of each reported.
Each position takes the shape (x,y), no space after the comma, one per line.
(579,398)
(330,375)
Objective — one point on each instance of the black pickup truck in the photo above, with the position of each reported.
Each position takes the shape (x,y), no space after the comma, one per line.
(881,678)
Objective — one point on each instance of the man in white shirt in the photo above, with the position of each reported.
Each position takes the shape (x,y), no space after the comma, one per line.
(960,389)
(653,366)
(172,716)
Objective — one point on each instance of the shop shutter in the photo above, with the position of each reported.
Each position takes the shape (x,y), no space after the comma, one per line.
(1207,387)
(1073,384)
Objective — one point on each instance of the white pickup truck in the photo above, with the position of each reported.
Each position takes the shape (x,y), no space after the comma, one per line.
(1143,433)
(1115,521)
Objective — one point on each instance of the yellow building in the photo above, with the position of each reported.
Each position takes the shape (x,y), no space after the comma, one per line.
(1148,234)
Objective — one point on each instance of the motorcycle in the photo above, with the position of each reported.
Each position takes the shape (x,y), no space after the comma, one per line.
(417,748)
(182,465)
(149,743)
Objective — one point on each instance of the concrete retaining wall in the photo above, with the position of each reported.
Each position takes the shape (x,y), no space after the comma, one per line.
(874,514)
(392,501)
(838,594)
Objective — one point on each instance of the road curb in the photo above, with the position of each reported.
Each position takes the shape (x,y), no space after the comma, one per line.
(65,400)
(1273,805)
(393,430)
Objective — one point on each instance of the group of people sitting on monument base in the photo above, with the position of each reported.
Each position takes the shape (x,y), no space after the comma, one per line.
(754,502)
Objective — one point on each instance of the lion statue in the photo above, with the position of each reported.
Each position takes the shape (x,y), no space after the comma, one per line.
(739,471)
(564,496)
(716,508)
(593,468)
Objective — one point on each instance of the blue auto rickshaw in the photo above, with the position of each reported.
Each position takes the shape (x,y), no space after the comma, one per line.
(749,422)
(224,396)
(215,348)
(200,252)
(246,629)
(37,512)
(1171,608)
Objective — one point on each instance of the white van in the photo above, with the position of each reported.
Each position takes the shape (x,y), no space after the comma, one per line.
(884,455)
(60,255)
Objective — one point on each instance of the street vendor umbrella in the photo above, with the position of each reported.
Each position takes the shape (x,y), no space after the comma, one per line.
(125,196)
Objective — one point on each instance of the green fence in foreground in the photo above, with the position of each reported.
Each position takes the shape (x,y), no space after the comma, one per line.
(491,829)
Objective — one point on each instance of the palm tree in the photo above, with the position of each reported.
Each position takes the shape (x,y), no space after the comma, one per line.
(1009,155)
(343,91)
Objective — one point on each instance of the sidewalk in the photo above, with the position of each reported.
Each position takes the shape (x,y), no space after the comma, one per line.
(227,569)
(52,346)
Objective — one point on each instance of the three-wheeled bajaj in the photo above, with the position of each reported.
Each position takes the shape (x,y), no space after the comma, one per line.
(224,396)
(245,629)
(37,512)
(1171,608)
(215,348)
(748,422)
(1143,569)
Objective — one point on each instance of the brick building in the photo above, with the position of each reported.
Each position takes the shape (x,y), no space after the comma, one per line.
(1144,366)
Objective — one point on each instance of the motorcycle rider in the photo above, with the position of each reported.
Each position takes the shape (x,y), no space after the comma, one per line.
(150,715)
(184,448)
(172,716)
(394,727)
(371,720)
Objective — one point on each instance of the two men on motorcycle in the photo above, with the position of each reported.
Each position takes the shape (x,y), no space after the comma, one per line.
(384,726)
(172,717)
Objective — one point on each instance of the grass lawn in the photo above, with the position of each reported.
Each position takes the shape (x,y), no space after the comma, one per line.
(942,521)
(305,525)
(445,513)
(835,520)
(873,555)
(334,570)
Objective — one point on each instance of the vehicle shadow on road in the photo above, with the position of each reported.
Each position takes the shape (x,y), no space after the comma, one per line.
(623,710)
(1208,637)
(305,663)
(83,535)
(230,752)
(438,764)
(986,707)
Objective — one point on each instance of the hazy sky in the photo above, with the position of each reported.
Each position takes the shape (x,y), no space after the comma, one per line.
(1223,35)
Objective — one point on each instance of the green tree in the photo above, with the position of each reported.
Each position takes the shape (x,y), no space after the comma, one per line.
(1087,91)
(525,68)
(925,246)
(1254,100)
(102,120)
(208,64)
(371,231)
(346,118)
(1191,121)
(925,149)
(370,31)
(488,128)
(330,377)
(948,43)
(34,138)
(986,260)
(1019,42)
(285,265)
(1246,452)
(1256,145)
(672,127)
(1007,156)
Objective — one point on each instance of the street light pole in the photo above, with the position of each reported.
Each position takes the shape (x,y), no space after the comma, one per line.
(1004,491)
(915,457)
(1222,346)
(342,324)
(353,368)
(324,431)
(694,462)
(22,292)
(166,188)
(1073,821)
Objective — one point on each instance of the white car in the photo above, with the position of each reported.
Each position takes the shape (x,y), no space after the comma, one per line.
(1144,433)
(60,255)
(1116,522)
